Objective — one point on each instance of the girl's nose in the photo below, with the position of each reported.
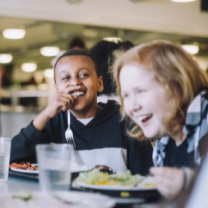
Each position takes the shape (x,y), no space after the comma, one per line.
(135,105)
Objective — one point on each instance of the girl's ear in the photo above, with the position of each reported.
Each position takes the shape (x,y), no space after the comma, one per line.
(100,84)
(55,86)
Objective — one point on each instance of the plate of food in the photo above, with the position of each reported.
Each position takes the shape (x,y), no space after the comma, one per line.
(76,168)
(24,167)
(121,181)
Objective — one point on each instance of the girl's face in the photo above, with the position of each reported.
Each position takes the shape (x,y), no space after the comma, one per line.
(79,70)
(145,100)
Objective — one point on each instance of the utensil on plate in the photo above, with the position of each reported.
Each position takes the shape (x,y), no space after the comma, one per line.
(69,134)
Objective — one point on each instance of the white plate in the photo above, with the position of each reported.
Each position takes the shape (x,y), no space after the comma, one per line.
(74,169)
(140,187)
(24,171)
(60,199)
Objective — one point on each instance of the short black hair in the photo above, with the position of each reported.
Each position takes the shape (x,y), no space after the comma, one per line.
(76,42)
(103,52)
(78,52)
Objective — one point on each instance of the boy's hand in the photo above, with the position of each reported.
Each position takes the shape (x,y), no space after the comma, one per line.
(169,180)
(61,101)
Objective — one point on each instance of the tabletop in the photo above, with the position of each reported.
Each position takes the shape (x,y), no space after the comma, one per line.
(15,185)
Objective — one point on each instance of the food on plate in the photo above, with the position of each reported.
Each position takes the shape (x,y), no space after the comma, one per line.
(104,168)
(24,166)
(96,177)
(26,197)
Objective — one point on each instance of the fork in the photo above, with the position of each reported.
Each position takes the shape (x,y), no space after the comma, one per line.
(69,133)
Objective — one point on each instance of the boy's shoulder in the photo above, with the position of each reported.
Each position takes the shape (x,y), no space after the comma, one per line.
(109,113)
(111,104)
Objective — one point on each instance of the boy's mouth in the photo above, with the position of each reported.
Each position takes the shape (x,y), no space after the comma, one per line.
(78,93)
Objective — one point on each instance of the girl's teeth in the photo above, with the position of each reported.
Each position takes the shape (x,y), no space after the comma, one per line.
(142,118)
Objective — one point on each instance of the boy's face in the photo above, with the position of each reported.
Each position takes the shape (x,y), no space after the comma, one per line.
(145,100)
(79,70)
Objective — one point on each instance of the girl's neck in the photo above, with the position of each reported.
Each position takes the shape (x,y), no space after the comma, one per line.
(179,139)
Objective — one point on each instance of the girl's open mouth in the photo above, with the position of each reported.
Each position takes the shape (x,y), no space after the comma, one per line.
(145,118)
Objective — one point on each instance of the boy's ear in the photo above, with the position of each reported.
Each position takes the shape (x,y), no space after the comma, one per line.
(55,86)
(100,84)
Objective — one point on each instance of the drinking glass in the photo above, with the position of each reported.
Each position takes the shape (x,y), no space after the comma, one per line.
(54,166)
(5,147)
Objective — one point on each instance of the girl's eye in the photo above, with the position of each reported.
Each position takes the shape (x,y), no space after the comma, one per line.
(125,96)
(140,91)
(83,75)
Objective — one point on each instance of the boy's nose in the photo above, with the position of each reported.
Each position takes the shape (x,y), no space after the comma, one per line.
(75,82)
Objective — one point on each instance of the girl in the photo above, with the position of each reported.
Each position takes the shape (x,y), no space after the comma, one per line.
(164,92)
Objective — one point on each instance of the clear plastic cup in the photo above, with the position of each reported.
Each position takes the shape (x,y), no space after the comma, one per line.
(5,147)
(54,166)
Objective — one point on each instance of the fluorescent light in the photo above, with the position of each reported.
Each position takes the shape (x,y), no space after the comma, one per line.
(182,1)
(192,49)
(29,67)
(48,73)
(5,58)
(14,33)
(49,51)
(113,39)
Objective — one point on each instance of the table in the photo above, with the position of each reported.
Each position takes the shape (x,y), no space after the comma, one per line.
(17,185)
(14,185)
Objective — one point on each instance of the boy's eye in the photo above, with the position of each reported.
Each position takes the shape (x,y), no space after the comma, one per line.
(65,78)
(83,75)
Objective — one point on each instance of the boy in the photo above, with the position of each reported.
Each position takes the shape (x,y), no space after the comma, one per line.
(98,133)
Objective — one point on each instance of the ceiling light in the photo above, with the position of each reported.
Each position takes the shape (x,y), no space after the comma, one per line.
(48,73)
(29,67)
(49,51)
(192,49)
(182,1)
(14,33)
(5,58)
(113,39)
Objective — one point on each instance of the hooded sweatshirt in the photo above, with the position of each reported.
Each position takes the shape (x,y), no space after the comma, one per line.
(102,141)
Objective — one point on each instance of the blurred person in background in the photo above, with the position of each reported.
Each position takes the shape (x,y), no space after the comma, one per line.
(4,77)
(105,53)
(165,93)
(5,82)
(76,43)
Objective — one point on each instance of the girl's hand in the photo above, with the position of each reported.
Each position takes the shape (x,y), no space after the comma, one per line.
(61,101)
(169,181)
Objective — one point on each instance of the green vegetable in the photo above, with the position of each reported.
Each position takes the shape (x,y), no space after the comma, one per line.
(23,197)
(97,177)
